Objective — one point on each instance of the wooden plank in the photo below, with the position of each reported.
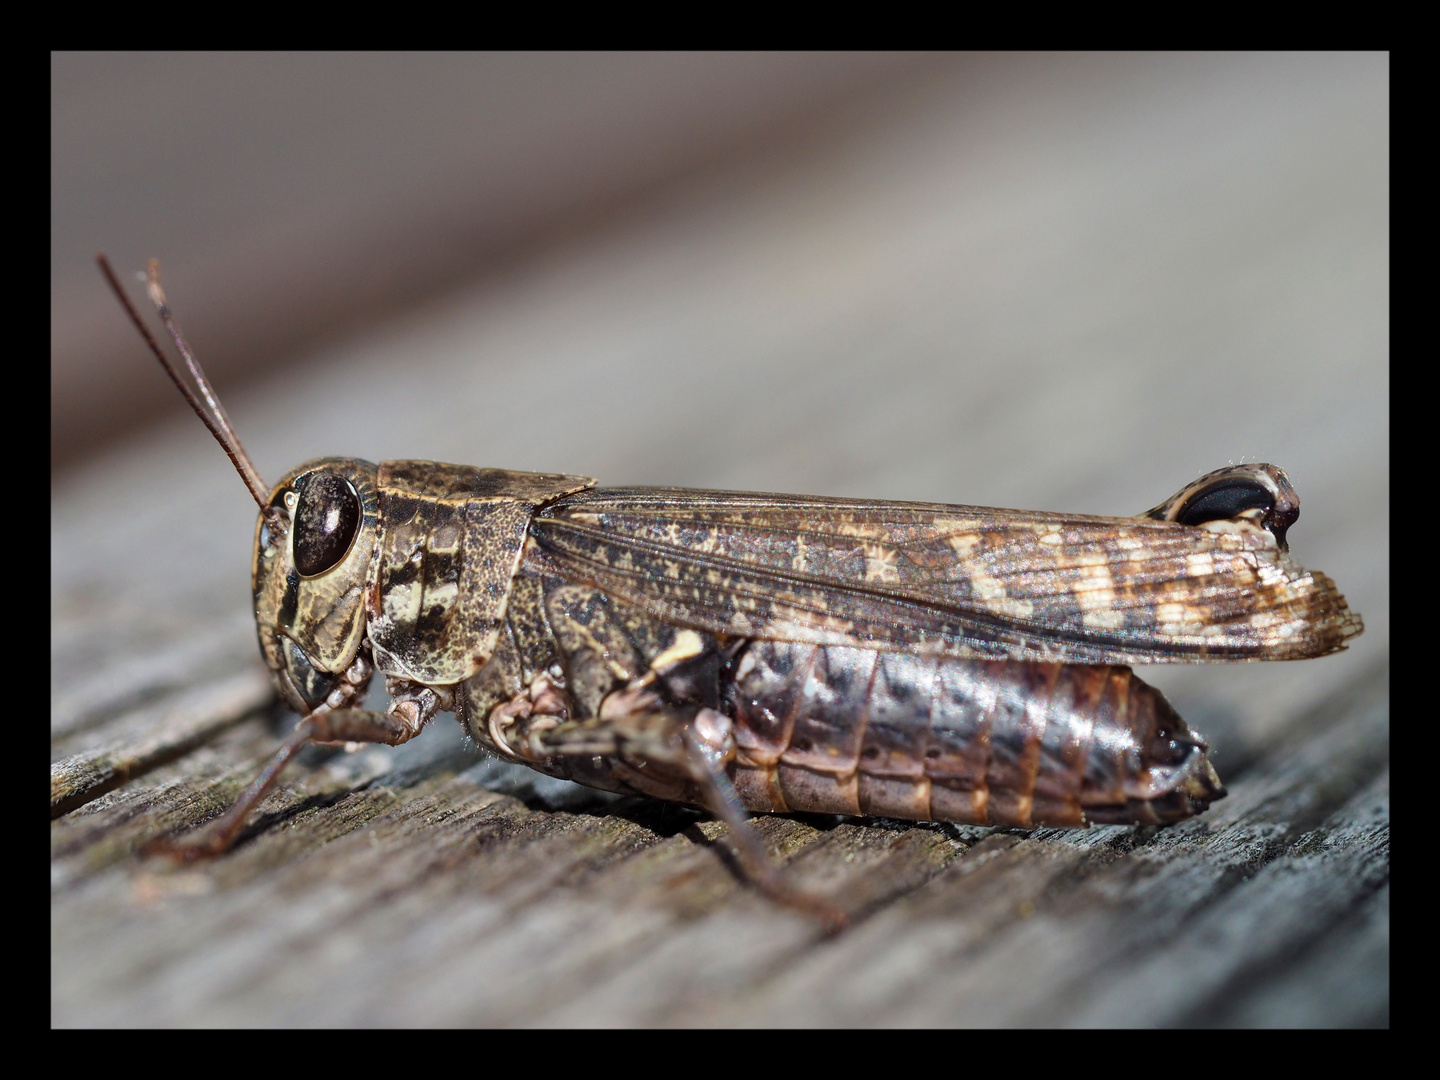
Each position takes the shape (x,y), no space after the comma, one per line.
(625,912)
(139,741)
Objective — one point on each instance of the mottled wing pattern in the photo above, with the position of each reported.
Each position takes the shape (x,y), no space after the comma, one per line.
(959,580)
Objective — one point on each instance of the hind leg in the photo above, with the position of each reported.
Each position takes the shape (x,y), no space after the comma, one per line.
(675,752)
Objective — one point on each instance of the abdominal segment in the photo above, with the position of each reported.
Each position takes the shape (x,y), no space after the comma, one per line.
(840,730)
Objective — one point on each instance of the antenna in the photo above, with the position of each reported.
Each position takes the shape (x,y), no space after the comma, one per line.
(215,417)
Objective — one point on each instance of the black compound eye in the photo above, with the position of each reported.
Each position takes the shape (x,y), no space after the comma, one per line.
(327,516)
(1227,499)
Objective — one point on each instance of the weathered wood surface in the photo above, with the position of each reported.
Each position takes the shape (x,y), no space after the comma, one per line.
(1007,337)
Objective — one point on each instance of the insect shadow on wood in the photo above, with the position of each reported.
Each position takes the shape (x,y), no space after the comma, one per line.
(744,652)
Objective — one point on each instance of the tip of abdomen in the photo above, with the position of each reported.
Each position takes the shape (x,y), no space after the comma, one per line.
(1203,786)
(1171,794)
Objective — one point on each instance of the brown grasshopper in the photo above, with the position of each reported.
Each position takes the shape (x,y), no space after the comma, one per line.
(772,653)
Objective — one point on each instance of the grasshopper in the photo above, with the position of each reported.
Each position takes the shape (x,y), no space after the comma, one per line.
(769,653)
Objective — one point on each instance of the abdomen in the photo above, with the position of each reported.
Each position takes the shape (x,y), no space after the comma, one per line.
(840,730)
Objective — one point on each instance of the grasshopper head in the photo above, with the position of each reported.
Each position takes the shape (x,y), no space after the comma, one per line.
(316,548)
(316,543)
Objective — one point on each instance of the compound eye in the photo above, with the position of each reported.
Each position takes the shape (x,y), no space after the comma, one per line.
(327,517)
(1226,499)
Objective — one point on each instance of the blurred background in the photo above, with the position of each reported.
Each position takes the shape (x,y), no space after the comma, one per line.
(1067,282)
(302,197)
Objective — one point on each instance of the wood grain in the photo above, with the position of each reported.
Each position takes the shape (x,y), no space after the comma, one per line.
(366,880)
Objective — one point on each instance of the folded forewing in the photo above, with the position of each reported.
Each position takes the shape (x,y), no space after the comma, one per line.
(959,580)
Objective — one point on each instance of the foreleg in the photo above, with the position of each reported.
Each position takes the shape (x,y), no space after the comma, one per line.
(333,723)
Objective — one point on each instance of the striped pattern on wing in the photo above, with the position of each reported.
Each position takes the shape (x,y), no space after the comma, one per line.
(959,580)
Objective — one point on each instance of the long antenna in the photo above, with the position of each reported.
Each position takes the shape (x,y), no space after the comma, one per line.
(215,417)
